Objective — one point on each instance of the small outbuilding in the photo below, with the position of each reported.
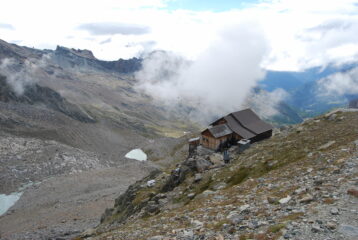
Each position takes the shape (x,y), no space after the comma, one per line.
(235,126)
(353,103)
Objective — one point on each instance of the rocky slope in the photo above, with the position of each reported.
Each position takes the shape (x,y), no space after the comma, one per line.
(300,184)
(67,120)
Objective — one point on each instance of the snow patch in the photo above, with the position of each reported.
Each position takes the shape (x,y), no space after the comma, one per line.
(7,201)
(137,154)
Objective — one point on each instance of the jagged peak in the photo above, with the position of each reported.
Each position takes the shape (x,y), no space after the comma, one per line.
(79,52)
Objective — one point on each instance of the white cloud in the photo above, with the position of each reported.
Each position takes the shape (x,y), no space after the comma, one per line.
(218,81)
(340,83)
(300,33)
(6,26)
(264,103)
(20,75)
(112,28)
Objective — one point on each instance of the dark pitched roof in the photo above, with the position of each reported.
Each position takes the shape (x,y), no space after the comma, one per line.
(245,123)
(220,130)
(251,121)
(238,128)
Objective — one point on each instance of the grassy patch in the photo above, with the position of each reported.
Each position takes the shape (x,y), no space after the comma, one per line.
(238,176)
(218,226)
(276,228)
(328,201)
(292,217)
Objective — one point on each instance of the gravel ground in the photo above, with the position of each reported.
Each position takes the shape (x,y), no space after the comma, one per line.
(65,205)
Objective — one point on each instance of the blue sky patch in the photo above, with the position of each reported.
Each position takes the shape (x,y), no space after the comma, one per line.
(209,5)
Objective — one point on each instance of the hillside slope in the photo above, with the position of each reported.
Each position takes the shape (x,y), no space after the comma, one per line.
(67,120)
(300,184)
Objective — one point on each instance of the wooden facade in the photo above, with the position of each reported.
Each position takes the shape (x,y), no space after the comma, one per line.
(209,141)
(239,125)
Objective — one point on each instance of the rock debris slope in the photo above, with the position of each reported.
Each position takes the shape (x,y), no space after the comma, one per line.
(300,184)
(67,120)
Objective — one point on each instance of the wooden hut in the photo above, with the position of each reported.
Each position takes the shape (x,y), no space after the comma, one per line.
(215,136)
(235,126)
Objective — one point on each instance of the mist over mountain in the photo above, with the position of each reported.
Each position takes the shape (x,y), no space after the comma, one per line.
(315,90)
(178,120)
(71,118)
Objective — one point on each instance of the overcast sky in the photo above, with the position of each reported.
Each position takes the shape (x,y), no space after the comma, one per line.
(298,33)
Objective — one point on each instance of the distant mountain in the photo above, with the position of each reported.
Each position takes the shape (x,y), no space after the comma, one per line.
(290,81)
(76,58)
(35,94)
(303,88)
(82,101)
(67,121)
(271,108)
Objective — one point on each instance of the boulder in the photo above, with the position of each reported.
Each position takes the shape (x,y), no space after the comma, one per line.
(198,177)
(272,200)
(216,159)
(197,224)
(306,199)
(327,145)
(152,208)
(151,183)
(284,200)
(349,230)
(159,237)
(353,192)
(88,233)
(334,211)
(316,228)
(191,195)
(202,165)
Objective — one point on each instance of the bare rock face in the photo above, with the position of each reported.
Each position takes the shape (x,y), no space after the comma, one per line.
(124,206)
(72,58)
(34,160)
(35,94)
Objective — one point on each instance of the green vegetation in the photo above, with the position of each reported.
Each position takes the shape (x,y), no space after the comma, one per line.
(238,176)
(276,228)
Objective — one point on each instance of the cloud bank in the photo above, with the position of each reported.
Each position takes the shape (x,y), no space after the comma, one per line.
(217,82)
(20,75)
(265,103)
(7,26)
(112,28)
(340,83)
(301,33)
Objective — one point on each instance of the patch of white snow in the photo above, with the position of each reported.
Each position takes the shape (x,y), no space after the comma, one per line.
(137,154)
(7,201)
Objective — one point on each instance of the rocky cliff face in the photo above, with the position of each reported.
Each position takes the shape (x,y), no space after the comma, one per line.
(67,120)
(35,94)
(72,58)
(300,184)
(76,84)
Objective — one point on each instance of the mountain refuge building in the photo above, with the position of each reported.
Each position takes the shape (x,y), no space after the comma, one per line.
(236,126)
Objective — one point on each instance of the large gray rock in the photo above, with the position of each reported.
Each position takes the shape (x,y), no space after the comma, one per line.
(327,145)
(349,230)
(202,165)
